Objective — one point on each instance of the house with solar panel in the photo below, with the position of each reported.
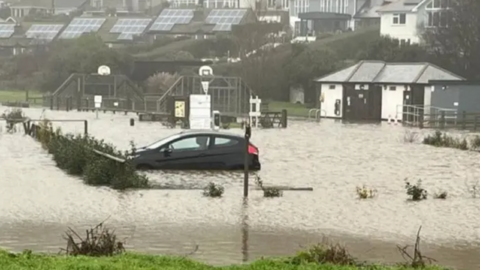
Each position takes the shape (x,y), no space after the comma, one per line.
(23,8)
(199,22)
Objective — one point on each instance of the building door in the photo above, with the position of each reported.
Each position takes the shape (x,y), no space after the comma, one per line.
(355,103)
(362,104)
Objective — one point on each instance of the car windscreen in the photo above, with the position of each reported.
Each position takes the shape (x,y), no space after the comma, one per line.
(157,144)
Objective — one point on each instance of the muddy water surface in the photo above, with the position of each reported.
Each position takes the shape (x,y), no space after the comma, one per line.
(38,201)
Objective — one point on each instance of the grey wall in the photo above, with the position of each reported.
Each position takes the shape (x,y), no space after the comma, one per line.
(445,98)
(469,98)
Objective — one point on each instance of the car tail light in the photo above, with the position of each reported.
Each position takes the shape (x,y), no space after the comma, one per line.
(252,149)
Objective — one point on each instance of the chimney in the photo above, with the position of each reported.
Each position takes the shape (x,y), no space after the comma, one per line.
(199,14)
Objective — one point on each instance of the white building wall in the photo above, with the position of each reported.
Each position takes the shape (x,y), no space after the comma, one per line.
(407,32)
(330,96)
(392,97)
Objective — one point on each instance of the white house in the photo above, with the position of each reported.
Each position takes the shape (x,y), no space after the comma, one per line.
(376,90)
(405,19)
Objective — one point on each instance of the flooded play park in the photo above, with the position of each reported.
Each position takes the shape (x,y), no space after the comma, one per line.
(38,201)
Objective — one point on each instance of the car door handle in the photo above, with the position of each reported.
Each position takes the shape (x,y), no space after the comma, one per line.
(202,155)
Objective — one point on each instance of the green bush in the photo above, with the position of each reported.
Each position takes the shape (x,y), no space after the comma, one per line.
(439,139)
(416,191)
(324,253)
(213,190)
(268,192)
(75,154)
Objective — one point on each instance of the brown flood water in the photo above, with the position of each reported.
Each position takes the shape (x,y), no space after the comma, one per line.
(38,201)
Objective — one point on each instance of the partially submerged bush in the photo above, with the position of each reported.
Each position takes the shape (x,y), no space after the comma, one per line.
(440,195)
(439,139)
(13,117)
(416,191)
(213,190)
(366,193)
(75,154)
(98,241)
(410,136)
(268,192)
(324,252)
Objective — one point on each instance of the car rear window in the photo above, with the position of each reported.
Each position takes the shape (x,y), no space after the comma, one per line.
(224,142)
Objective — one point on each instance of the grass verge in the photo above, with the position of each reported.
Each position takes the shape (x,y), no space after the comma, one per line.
(132,261)
(16,95)
(296,110)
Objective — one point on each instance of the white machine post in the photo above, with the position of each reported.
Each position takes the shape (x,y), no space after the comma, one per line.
(98,104)
(255,112)
(205,72)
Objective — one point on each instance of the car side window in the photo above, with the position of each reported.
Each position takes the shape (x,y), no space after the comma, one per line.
(191,143)
(221,142)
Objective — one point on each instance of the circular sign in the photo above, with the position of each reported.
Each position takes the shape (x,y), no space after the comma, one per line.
(205,71)
(103,70)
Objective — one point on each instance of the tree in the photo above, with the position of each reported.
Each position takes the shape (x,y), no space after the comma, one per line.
(390,50)
(82,55)
(258,66)
(307,64)
(456,37)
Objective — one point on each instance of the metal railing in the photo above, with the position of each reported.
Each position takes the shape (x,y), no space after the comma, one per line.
(316,114)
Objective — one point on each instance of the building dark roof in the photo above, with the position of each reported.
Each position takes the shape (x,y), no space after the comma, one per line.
(323,16)
(48,3)
(382,72)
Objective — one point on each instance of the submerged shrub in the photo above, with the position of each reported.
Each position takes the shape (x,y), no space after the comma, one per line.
(441,195)
(213,190)
(323,253)
(98,241)
(366,193)
(439,139)
(13,117)
(76,155)
(268,192)
(416,191)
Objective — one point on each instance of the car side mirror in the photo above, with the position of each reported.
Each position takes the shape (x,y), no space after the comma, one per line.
(167,152)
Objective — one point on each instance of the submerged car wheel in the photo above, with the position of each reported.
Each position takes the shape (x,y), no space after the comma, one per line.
(144,167)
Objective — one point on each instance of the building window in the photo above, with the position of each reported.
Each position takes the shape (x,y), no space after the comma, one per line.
(438,4)
(322,5)
(301,6)
(271,3)
(399,18)
(331,86)
(437,13)
(392,88)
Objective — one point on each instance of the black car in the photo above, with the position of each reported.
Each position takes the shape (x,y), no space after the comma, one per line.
(197,150)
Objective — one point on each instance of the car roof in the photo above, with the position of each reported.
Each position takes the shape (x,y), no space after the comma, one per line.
(208,132)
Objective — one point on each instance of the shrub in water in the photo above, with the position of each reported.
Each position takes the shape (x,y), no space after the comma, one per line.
(13,117)
(213,190)
(75,154)
(366,193)
(440,139)
(441,195)
(416,191)
(268,192)
(323,253)
(98,241)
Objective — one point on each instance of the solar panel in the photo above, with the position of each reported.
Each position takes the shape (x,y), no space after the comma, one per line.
(78,26)
(225,18)
(43,31)
(132,26)
(125,36)
(7,30)
(169,17)
(222,27)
